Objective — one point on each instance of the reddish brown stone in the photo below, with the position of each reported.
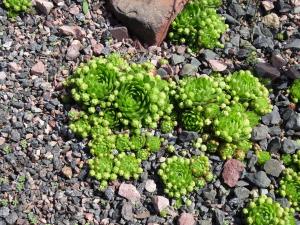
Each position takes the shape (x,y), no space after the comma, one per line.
(149,20)
(232,171)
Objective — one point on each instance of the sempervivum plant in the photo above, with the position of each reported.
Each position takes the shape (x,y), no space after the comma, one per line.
(14,7)
(126,95)
(264,211)
(182,175)
(198,25)
(295,91)
(290,187)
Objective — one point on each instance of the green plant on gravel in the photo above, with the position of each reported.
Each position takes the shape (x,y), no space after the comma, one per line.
(224,109)
(14,7)
(295,91)
(292,161)
(183,175)
(262,156)
(264,211)
(198,25)
(290,187)
(128,95)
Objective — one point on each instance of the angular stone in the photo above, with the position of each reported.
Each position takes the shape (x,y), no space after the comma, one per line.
(75,31)
(119,33)
(97,49)
(67,171)
(232,171)
(14,67)
(267,70)
(73,50)
(216,65)
(268,5)
(149,20)
(273,167)
(294,44)
(259,132)
(38,68)
(186,219)
(44,6)
(271,20)
(260,179)
(160,203)
(129,192)
(278,61)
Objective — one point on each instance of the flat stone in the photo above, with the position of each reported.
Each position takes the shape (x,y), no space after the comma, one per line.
(14,67)
(11,218)
(189,69)
(186,219)
(260,179)
(293,73)
(176,59)
(129,192)
(127,211)
(44,6)
(267,70)
(119,33)
(294,44)
(232,171)
(74,31)
(2,75)
(273,167)
(216,65)
(288,146)
(272,117)
(38,68)
(268,5)
(274,145)
(219,217)
(149,20)
(73,50)
(160,203)
(97,49)
(259,132)
(278,61)
(241,193)
(4,212)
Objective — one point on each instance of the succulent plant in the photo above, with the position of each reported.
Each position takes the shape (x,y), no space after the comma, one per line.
(153,143)
(127,166)
(192,120)
(264,211)
(198,25)
(290,187)
(262,156)
(182,175)
(123,142)
(167,125)
(245,88)
(295,90)
(127,95)
(101,167)
(14,7)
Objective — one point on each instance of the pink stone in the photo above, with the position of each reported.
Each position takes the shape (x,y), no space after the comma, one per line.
(160,203)
(73,50)
(232,172)
(129,192)
(38,68)
(74,31)
(217,65)
(186,219)
(44,6)
(14,67)
(97,49)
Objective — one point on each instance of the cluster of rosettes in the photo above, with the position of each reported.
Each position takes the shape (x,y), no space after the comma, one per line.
(199,25)
(295,91)
(225,108)
(292,161)
(290,187)
(182,175)
(14,7)
(264,211)
(125,95)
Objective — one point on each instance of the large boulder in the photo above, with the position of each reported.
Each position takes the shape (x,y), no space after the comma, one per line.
(149,20)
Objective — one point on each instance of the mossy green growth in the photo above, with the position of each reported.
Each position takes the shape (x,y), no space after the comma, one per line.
(198,25)
(295,91)
(290,187)
(182,175)
(14,7)
(264,211)
(127,166)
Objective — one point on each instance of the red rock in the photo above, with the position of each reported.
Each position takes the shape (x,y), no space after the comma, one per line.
(232,172)
(160,203)
(14,67)
(129,192)
(119,33)
(44,6)
(186,219)
(74,31)
(97,49)
(149,20)
(38,68)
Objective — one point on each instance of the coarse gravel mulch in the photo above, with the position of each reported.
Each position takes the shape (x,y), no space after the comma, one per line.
(43,171)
